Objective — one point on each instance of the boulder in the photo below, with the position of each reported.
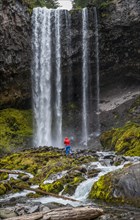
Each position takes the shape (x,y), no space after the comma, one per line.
(7,213)
(121,186)
(124,140)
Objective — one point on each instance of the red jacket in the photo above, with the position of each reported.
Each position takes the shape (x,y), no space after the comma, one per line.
(66,141)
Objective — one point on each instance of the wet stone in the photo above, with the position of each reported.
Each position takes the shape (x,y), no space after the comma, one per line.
(7,213)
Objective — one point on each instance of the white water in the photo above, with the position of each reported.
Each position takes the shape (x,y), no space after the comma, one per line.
(58,103)
(85,76)
(82,190)
(42,20)
(48,34)
(97,71)
(69,61)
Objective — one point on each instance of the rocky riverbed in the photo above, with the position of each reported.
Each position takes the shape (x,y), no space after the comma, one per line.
(71,177)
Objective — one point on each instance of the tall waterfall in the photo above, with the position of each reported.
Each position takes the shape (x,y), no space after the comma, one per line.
(48,115)
(68,49)
(58,103)
(85,76)
(53,52)
(97,71)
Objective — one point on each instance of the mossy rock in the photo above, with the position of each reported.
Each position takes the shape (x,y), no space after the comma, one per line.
(68,183)
(3,176)
(119,187)
(43,163)
(71,186)
(16,129)
(2,189)
(54,187)
(124,140)
(102,189)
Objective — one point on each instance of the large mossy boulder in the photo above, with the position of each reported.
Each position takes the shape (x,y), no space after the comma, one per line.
(16,129)
(124,140)
(121,186)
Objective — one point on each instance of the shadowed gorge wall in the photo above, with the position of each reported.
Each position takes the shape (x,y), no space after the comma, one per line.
(15,55)
(119,50)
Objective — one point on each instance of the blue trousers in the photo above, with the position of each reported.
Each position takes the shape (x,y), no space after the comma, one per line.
(67,150)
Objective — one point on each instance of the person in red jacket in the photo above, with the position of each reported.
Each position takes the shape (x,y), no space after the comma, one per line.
(67,146)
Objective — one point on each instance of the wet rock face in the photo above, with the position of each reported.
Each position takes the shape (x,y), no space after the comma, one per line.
(119,44)
(121,186)
(119,34)
(15,55)
(127,185)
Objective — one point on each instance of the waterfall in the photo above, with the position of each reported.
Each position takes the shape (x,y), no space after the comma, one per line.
(51,45)
(41,75)
(48,119)
(97,71)
(85,75)
(58,104)
(68,49)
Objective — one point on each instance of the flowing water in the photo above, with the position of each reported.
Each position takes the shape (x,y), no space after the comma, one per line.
(97,71)
(58,102)
(85,76)
(48,115)
(83,188)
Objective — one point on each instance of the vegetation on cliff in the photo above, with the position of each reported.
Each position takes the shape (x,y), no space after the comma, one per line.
(41,3)
(124,140)
(97,3)
(16,129)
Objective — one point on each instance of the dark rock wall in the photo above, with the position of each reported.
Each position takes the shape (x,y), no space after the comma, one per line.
(119,43)
(119,53)
(15,55)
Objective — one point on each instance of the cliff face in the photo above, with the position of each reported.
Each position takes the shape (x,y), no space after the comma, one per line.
(119,62)
(119,51)
(15,55)
(119,42)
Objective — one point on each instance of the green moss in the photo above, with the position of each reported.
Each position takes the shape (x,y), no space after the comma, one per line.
(106,139)
(71,183)
(40,3)
(15,127)
(54,187)
(33,195)
(102,4)
(3,176)
(105,187)
(102,189)
(42,163)
(124,140)
(2,189)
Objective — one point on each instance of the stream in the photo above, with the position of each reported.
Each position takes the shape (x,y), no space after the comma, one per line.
(103,165)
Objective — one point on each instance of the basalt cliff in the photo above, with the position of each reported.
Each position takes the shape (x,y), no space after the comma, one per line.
(119,52)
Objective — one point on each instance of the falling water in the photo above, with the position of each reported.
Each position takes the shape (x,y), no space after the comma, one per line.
(43,20)
(97,71)
(68,49)
(41,75)
(47,78)
(85,75)
(58,104)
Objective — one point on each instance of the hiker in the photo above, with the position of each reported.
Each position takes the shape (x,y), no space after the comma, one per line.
(67,146)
